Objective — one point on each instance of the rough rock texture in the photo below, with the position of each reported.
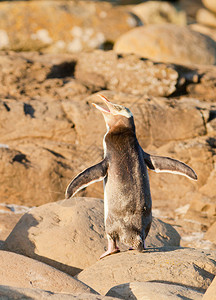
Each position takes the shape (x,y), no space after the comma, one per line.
(185,267)
(125,74)
(168,43)
(10,292)
(69,234)
(210,294)
(81,25)
(156,12)
(21,271)
(153,290)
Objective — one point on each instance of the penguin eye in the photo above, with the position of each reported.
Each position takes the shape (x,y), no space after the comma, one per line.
(117,107)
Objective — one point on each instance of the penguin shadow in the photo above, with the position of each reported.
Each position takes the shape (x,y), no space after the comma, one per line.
(153,249)
(25,247)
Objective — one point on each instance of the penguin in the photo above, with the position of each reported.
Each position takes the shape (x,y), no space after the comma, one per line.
(127,197)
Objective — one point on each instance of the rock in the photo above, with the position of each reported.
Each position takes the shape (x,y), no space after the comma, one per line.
(192,153)
(43,170)
(20,271)
(210,4)
(148,112)
(10,292)
(205,88)
(184,267)
(211,32)
(206,17)
(156,12)
(127,74)
(9,216)
(153,290)
(168,43)
(81,25)
(69,234)
(210,294)
(210,233)
(46,140)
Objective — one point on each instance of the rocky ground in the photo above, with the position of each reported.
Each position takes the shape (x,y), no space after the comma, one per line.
(49,131)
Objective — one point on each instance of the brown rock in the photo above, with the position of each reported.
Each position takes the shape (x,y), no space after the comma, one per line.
(45,172)
(153,290)
(20,271)
(210,4)
(168,43)
(156,12)
(81,25)
(10,292)
(204,30)
(185,267)
(210,294)
(70,236)
(51,152)
(127,74)
(206,17)
(197,154)
(210,234)
(9,216)
(205,88)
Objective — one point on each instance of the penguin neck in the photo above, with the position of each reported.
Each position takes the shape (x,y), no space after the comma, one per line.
(115,137)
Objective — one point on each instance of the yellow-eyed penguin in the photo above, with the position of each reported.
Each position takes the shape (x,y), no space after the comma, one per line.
(127,197)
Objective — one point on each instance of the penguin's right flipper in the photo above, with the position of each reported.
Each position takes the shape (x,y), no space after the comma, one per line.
(87,177)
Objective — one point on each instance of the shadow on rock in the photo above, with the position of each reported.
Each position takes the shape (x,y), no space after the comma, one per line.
(29,249)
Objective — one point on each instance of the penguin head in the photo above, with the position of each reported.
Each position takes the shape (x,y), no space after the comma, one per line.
(115,115)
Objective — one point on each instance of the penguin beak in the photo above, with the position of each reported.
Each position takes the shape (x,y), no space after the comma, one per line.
(110,109)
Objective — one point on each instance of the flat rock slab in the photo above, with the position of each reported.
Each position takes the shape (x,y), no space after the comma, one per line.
(153,290)
(183,266)
(70,235)
(21,271)
(10,292)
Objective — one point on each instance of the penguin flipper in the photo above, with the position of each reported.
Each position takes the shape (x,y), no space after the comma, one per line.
(169,165)
(88,176)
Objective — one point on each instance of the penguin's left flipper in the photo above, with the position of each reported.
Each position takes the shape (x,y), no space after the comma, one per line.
(169,165)
(93,174)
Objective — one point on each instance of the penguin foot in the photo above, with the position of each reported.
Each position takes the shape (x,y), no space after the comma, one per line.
(110,252)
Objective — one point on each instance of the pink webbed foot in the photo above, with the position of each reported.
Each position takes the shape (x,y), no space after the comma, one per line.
(108,252)
(112,247)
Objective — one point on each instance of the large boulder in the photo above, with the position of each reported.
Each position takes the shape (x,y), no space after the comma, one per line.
(168,43)
(210,4)
(157,12)
(24,272)
(125,73)
(153,290)
(206,17)
(182,266)
(70,235)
